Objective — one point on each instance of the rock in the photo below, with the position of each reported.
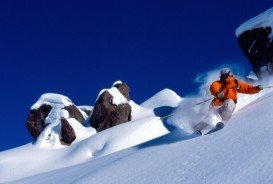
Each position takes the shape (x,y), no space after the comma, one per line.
(74,113)
(36,120)
(68,133)
(258,48)
(106,114)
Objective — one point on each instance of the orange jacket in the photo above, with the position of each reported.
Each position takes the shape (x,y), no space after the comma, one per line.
(231,89)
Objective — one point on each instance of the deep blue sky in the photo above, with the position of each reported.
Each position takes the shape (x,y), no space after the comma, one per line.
(76,48)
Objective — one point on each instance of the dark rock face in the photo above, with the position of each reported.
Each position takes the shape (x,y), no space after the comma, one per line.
(36,120)
(124,90)
(74,113)
(106,115)
(258,48)
(68,134)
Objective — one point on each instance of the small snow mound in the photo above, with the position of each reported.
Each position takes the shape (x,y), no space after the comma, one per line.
(52,98)
(123,136)
(166,97)
(262,20)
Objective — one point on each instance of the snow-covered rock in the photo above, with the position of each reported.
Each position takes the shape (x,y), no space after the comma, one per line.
(264,19)
(111,107)
(255,39)
(51,121)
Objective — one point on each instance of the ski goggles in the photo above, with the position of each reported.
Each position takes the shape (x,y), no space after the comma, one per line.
(226,75)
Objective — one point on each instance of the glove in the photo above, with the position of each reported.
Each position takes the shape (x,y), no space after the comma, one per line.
(260,87)
(220,95)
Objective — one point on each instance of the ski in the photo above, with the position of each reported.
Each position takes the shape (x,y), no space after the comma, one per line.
(218,126)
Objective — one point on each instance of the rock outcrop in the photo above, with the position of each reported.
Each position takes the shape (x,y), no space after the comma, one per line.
(257,45)
(255,39)
(61,120)
(54,110)
(111,108)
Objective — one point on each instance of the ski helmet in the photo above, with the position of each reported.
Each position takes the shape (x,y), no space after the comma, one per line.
(225,72)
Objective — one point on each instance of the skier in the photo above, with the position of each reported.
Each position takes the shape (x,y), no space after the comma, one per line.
(225,92)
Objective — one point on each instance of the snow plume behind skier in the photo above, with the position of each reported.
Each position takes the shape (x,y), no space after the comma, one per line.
(186,118)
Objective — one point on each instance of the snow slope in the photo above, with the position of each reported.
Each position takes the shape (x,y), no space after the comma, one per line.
(239,153)
(145,125)
(156,151)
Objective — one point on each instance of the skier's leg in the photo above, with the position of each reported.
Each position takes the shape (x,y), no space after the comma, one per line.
(226,110)
(208,121)
(199,127)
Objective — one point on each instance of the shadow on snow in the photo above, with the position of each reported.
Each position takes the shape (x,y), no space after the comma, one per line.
(175,135)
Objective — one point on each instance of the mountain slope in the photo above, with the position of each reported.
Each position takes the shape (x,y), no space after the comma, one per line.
(145,126)
(239,153)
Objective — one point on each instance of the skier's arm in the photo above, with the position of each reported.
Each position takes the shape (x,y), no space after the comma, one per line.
(248,88)
(215,88)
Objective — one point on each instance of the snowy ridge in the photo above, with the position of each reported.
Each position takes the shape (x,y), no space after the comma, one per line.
(262,20)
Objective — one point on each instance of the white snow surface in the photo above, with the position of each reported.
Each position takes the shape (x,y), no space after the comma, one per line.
(262,20)
(165,97)
(52,98)
(156,151)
